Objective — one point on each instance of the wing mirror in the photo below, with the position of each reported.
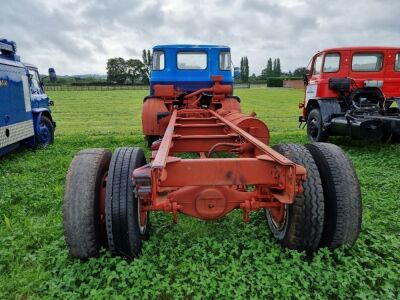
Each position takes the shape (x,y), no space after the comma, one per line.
(52,75)
(236,72)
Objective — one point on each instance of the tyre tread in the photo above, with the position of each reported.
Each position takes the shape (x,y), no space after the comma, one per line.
(122,235)
(342,194)
(305,228)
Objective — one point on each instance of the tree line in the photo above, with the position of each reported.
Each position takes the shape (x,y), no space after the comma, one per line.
(272,69)
(133,70)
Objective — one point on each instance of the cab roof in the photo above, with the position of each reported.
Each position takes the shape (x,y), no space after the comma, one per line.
(189,46)
(361,48)
(30,66)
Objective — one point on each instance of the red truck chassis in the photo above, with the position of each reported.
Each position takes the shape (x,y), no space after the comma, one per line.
(207,187)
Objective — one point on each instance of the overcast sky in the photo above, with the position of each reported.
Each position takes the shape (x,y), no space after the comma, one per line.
(77,37)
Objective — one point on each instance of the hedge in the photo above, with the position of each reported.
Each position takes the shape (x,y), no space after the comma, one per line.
(275,82)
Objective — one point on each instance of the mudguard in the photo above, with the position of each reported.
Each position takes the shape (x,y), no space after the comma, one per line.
(327,107)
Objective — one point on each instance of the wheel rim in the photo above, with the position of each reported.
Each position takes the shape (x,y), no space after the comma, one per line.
(313,128)
(278,216)
(102,209)
(44,134)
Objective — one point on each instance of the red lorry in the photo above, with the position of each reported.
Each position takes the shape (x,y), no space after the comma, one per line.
(353,91)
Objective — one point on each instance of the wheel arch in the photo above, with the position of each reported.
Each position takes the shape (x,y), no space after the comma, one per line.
(37,114)
(368,90)
(311,104)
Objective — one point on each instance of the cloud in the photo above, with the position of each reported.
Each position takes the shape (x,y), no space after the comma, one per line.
(78,37)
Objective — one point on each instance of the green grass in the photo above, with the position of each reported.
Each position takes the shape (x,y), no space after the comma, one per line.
(194,259)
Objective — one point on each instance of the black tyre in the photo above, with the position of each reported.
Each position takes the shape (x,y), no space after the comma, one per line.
(151,139)
(302,223)
(343,206)
(315,127)
(45,134)
(126,227)
(81,209)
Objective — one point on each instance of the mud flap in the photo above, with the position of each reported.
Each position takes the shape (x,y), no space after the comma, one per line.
(328,108)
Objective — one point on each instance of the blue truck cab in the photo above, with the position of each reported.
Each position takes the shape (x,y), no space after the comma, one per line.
(190,67)
(180,70)
(25,115)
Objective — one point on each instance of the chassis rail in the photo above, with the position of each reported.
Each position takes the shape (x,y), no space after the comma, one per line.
(207,187)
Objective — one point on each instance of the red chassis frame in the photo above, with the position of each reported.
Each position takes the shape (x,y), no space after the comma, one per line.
(209,188)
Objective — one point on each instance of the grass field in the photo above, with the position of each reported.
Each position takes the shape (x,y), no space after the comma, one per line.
(195,259)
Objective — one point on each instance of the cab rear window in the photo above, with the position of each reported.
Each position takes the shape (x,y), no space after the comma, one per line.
(367,62)
(225,61)
(158,60)
(192,60)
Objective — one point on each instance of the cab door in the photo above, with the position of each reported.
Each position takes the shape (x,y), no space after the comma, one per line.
(39,98)
(312,86)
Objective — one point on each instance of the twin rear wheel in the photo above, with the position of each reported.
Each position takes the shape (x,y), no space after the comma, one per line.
(328,213)
(100,207)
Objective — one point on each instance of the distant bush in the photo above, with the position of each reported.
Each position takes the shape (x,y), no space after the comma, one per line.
(266,80)
(292,78)
(93,83)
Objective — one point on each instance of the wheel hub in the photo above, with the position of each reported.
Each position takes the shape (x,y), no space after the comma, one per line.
(313,128)
(44,134)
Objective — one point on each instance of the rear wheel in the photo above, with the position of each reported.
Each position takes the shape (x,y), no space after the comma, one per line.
(315,127)
(84,188)
(343,207)
(127,225)
(299,225)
